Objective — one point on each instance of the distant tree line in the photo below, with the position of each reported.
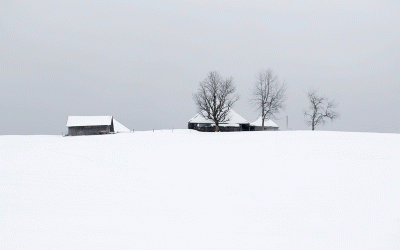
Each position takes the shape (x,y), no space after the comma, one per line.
(216,96)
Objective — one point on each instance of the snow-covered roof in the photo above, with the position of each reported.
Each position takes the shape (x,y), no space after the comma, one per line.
(198,118)
(234,118)
(119,128)
(77,121)
(267,123)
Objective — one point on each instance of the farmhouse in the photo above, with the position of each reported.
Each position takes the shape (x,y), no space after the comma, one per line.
(269,125)
(235,123)
(94,125)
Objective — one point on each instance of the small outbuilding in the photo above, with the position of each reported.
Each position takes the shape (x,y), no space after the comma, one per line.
(94,125)
(269,125)
(90,125)
(235,123)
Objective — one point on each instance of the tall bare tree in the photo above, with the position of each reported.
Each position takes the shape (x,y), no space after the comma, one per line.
(320,110)
(269,95)
(215,97)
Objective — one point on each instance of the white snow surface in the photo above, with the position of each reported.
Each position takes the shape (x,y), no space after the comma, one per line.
(267,123)
(184,189)
(76,121)
(234,118)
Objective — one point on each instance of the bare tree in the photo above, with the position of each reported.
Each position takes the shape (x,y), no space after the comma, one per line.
(269,95)
(320,110)
(214,98)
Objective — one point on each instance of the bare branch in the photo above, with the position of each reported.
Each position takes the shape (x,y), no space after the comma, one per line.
(269,94)
(214,98)
(319,110)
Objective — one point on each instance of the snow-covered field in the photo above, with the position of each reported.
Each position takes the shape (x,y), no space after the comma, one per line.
(191,190)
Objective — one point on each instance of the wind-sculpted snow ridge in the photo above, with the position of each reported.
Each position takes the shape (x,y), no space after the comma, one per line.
(184,189)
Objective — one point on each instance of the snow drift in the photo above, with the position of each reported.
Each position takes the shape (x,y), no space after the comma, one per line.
(184,189)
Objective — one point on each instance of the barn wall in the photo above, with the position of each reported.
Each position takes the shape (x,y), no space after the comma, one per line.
(192,125)
(243,127)
(208,128)
(259,128)
(89,130)
(246,127)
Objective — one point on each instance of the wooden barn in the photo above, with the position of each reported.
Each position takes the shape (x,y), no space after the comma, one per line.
(90,125)
(235,123)
(269,125)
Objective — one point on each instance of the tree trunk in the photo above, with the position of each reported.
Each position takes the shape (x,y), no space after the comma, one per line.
(312,126)
(262,124)
(216,127)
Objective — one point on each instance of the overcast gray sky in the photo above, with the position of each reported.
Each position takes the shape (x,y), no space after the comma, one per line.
(141,61)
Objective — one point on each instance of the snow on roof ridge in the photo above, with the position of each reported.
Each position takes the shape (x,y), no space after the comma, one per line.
(267,123)
(77,121)
(233,118)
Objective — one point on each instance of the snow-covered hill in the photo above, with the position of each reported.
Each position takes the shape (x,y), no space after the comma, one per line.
(183,189)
